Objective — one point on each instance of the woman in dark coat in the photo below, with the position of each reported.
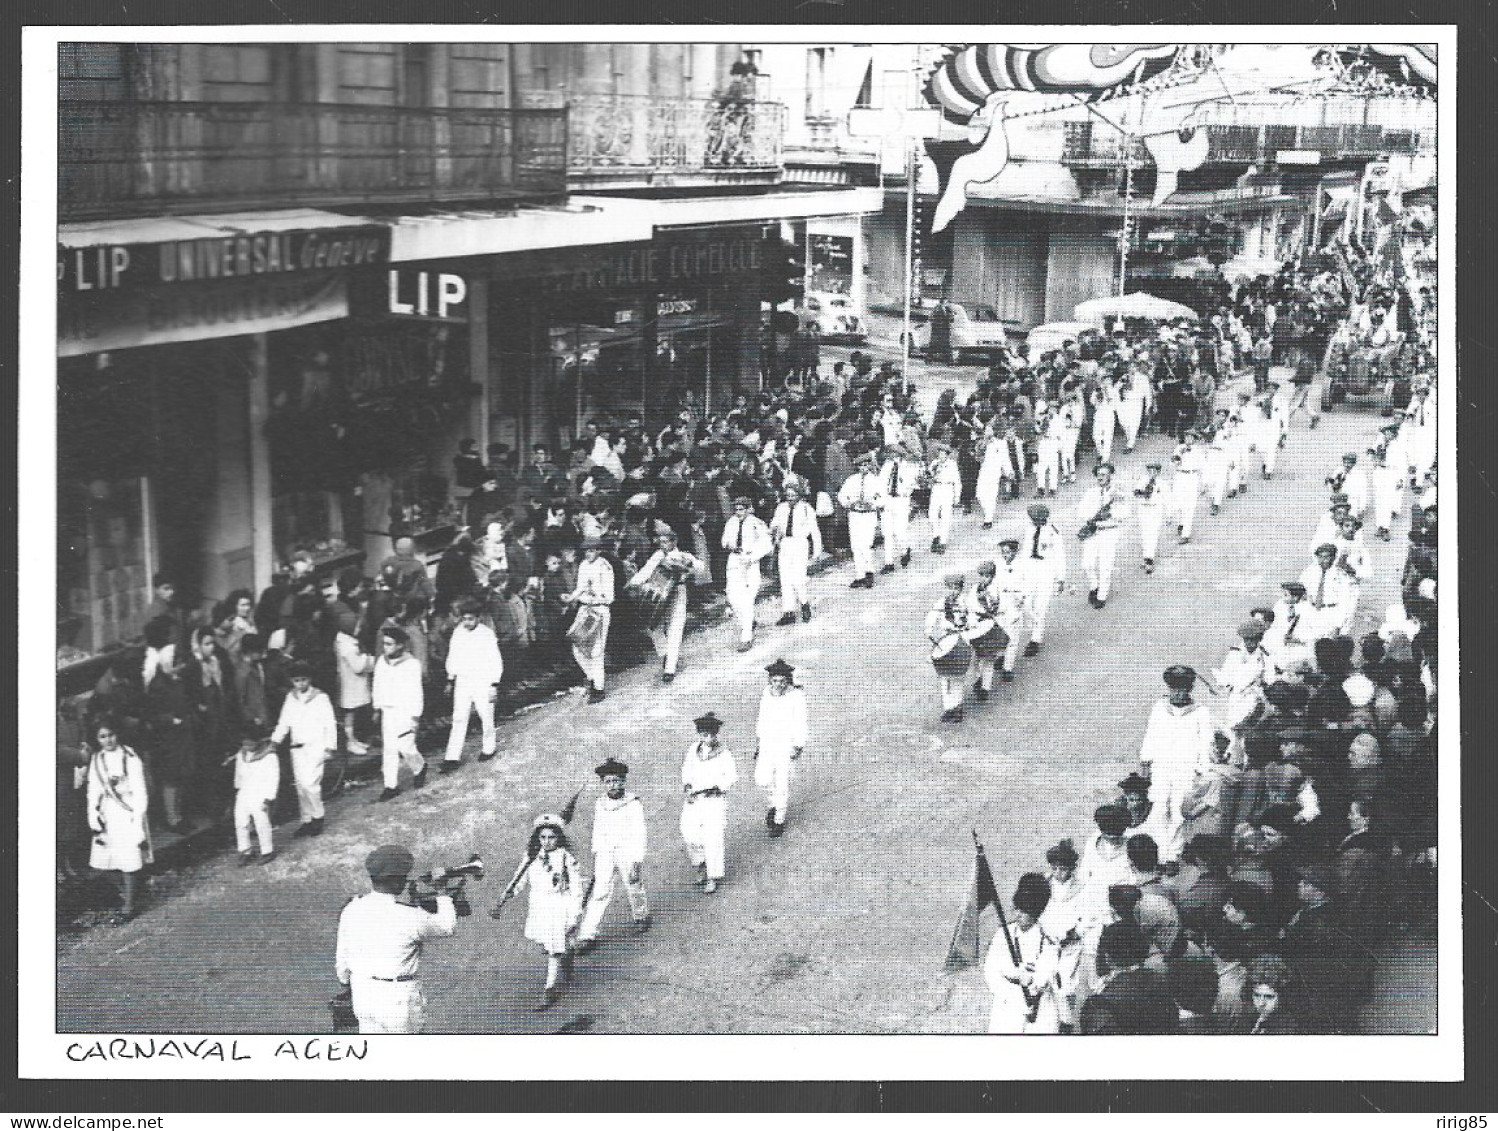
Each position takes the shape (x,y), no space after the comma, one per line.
(209,680)
(456,578)
(1363,872)
(173,724)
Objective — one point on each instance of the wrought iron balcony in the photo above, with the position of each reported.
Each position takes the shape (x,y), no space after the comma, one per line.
(663,140)
(132,158)
(1087,144)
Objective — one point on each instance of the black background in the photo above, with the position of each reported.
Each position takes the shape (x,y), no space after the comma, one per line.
(1476,119)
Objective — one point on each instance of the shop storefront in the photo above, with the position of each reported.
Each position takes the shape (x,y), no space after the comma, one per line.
(166,352)
(635,329)
(364,417)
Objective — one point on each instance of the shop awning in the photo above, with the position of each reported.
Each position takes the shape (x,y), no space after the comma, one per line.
(167,229)
(580,222)
(765,207)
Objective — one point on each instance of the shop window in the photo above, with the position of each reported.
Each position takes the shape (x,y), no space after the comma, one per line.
(412,502)
(103,565)
(328,524)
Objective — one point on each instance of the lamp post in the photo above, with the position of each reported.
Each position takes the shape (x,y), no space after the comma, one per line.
(908,126)
(910,174)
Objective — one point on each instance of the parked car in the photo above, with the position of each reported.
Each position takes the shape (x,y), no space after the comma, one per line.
(834,318)
(976,336)
(1052,335)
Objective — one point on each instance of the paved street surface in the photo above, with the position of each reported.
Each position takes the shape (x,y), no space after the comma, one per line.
(842,925)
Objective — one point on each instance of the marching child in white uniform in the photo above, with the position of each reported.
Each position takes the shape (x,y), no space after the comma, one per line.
(257,780)
(780,735)
(1186,487)
(946,489)
(708,772)
(618,847)
(900,475)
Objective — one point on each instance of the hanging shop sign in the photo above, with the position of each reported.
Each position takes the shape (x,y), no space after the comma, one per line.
(106,267)
(429,296)
(116,320)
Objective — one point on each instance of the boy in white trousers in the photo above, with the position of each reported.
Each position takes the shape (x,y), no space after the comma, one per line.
(307,719)
(900,475)
(1186,487)
(1048,443)
(946,489)
(399,699)
(708,772)
(780,736)
(862,496)
(474,668)
(618,847)
(257,779)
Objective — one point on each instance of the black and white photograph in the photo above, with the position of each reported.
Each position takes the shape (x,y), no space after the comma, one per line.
(634,534)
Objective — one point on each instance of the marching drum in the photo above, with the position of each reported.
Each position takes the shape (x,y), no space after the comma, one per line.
(988,639)
(951,656)
(654,594)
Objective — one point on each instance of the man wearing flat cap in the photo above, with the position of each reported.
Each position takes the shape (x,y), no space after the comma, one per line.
(747,540)
(380,942)
(862,496)
(399,701)
(780,737)
(1043,555)
(1178,739)
(708,772)
(618,846)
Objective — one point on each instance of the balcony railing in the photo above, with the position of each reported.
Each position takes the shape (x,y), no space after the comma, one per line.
(1248,144)
(128,158)
(619,136)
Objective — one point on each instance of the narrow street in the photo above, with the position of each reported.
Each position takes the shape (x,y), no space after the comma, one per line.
(842,925)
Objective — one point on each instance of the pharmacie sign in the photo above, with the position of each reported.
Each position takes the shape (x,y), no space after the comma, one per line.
(108,267)
(662,265)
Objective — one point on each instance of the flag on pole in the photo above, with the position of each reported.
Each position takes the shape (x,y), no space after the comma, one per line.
(967,945)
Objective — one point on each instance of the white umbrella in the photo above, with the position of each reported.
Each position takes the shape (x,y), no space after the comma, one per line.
(1248,267)
(1136,304)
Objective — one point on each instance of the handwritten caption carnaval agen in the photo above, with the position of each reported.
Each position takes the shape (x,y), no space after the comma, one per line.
(209,1049)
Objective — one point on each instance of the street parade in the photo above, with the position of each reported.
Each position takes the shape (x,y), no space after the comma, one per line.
(683,723)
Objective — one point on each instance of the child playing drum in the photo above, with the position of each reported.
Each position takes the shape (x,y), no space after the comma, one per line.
(951,654)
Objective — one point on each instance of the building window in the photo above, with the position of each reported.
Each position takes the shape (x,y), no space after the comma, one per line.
(816,82)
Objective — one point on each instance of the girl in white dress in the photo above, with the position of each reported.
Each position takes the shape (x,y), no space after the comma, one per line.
(557,887)
(117,800)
